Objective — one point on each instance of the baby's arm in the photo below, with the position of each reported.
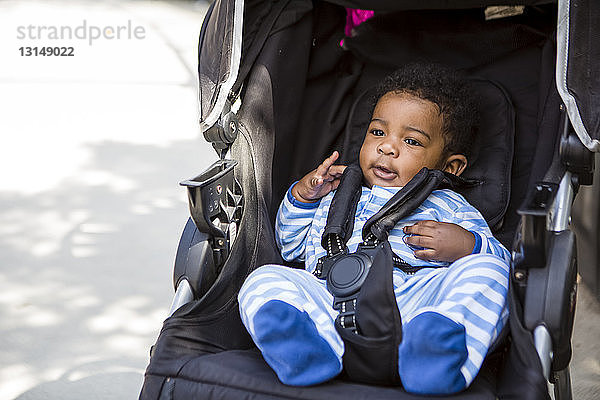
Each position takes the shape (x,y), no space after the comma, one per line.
(300,205)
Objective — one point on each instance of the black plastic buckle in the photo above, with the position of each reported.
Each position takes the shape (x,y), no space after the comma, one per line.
(224,132)
(347,315)
(325,263)
(216,204)
(369,242)
(578,158)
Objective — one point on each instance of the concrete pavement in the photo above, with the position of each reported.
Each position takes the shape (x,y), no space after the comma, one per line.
(93,147)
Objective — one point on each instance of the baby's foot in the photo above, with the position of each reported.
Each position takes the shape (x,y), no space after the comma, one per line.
(431,354)
(290,343)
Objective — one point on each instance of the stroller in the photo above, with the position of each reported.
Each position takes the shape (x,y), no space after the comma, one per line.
(280,91)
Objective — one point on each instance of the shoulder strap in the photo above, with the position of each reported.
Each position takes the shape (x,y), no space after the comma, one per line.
(408,199)
(340,220)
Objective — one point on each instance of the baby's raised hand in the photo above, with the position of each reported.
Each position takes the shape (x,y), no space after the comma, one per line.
(441,241)
(320,181)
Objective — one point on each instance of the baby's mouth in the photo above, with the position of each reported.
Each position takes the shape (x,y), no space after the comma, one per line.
(382,172)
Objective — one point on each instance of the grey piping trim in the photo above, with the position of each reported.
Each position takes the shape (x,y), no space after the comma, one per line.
(543,344)
(562,59)
(236,55)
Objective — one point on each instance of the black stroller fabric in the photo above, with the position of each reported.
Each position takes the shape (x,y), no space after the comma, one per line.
(298,91)
(372,355)
(243,374)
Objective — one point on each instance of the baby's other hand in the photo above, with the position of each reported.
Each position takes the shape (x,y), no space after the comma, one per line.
(441,241)
(319,182)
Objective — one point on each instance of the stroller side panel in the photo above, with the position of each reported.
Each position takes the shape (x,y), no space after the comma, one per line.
(217,70)
(577,67)
(211,324)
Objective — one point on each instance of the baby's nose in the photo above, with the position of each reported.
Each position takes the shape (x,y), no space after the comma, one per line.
(387,148)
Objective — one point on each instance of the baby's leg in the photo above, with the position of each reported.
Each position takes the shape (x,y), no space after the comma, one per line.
(289,315)
(446,338)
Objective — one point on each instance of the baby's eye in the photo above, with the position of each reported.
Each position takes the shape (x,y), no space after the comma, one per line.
(377,132)
(412,142)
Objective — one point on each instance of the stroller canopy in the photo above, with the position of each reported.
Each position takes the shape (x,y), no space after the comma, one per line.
(226,40)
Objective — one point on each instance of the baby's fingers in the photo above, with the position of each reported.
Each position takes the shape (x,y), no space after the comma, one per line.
(316,181)
(419,241)
(325,165)
(423,228)
(426,254)
(336,170)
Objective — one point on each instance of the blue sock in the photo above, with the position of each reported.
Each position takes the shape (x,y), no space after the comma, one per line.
(432,351)
(291,345)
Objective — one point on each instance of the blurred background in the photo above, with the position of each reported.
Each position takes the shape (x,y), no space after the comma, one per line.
(93,147)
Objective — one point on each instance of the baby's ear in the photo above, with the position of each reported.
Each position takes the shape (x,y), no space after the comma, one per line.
(456,164)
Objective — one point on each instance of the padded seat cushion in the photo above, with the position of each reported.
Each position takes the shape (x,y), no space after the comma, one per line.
(243,374)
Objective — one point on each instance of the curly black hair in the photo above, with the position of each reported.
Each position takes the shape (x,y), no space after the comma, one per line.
(448,90)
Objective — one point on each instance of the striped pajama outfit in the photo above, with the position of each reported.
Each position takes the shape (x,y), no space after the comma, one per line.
(451,312)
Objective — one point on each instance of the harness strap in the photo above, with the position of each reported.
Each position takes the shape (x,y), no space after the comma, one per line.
(340,223)
(340,220)
(369,322)
(362,282)
(406,267)
(407,199)
(347,306)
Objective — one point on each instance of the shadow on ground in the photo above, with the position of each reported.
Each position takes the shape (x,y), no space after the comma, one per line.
(106,385)
(87,270)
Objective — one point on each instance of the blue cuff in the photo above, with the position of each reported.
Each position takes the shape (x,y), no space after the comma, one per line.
(477,247)
(300,204)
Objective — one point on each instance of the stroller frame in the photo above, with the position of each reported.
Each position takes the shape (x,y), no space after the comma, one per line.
(544,253)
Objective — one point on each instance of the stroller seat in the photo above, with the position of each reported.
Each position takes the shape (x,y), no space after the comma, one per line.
(243,374)
(303,96)
(237,374)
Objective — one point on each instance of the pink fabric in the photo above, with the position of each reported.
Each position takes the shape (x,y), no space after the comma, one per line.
(355,17)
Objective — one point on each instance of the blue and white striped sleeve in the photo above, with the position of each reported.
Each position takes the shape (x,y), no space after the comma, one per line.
(292,226)
(485,243)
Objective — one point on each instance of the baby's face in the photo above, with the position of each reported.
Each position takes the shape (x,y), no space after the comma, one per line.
(405,135)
